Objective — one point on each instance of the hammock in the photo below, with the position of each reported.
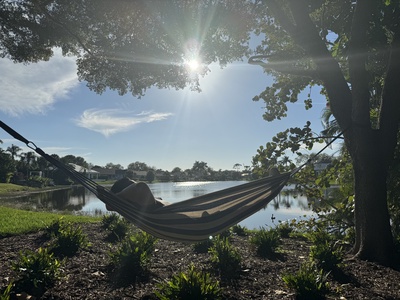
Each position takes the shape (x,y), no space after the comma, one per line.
(191,220)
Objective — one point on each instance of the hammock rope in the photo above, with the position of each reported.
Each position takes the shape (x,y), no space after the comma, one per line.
(191,220)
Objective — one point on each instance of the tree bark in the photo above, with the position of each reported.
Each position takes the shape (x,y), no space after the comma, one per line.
(374,239)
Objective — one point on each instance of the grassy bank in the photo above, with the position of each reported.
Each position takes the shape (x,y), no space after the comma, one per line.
(15,221)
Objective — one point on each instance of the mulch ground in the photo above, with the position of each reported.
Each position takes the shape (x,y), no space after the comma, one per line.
(87,275)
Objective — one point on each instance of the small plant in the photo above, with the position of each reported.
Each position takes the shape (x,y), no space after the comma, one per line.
(226,258)
(190,285)
(68,240)
(239,230)
(266,241)
(6,294)
(284,229)
(326,255)
(204,246)
(53,229)
(133,255)
(319,236)
(308,283)
(109,219)
(37,271)
(117,226)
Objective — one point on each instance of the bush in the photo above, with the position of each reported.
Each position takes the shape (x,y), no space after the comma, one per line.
(109,219)
(226,258)
(118,227)
(308,283)
(191,285)
(326,255)
(239,230)
(37,271)
(133,255)
(53,229)
(204,246)
(266,241)
(284,229)
(68,240)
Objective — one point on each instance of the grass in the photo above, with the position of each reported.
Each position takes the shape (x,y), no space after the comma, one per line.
(6,188)
(14,221)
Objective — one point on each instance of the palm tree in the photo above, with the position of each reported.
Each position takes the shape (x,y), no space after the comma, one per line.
(13,149)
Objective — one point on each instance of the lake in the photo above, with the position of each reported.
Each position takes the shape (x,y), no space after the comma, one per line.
(79,200)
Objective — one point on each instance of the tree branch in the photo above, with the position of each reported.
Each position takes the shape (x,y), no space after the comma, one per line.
(307,37)
(282,68)
(63,26)
(357,62)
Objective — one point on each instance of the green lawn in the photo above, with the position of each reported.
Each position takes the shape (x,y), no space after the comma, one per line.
(6,188)
(15,221)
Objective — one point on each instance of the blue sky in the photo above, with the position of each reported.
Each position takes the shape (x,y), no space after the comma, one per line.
(221,125)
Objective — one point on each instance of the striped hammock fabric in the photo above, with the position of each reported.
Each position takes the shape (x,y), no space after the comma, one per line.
(198,218)
(192,220)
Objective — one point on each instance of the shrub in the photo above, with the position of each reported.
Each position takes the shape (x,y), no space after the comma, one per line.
(226,258)
(133,255)
(204,246)
(308,283)
(284,229)
(109,219)
(118,227)
(326,255)
(37,271)
(68,240)
(190,285)
(239,230)
(54,228)
(265,241)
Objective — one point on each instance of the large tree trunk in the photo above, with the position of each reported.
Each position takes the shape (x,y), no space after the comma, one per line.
(374,239)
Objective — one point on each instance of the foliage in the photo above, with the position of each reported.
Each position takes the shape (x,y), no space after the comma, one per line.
(226,258)
(284,229)
(190,285)
(239,230)
(266,241)
(133,255)
(38,181)
(36,271)
(308,282)
(69,239)
(138,39)
(327,255)
(6,294)
(203,246)
(54,228)
(117,226)
(7,167)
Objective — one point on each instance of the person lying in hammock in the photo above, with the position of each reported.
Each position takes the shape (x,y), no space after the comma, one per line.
(136,192)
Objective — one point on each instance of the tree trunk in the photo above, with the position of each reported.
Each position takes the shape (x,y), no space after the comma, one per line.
(374,239)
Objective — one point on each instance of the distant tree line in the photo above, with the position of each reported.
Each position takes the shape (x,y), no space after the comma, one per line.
(28,168)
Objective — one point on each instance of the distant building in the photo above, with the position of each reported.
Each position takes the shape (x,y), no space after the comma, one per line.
(91,174)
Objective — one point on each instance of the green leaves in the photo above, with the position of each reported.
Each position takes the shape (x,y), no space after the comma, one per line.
(190,285)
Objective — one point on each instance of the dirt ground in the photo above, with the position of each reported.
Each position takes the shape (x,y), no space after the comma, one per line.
(87,274)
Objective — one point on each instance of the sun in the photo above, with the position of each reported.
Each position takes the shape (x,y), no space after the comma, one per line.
(193,65)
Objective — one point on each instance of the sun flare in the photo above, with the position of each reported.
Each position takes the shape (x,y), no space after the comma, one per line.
(193,65)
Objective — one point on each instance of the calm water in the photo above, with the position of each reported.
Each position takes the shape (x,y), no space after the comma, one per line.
(77,199)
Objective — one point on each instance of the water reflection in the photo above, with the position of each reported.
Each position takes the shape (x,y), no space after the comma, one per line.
(77,199)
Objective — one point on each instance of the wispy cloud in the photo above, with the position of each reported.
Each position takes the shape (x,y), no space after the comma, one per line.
(35,87)
(111,121)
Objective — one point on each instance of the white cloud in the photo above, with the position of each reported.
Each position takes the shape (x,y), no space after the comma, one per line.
(111,121)
(33,88)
